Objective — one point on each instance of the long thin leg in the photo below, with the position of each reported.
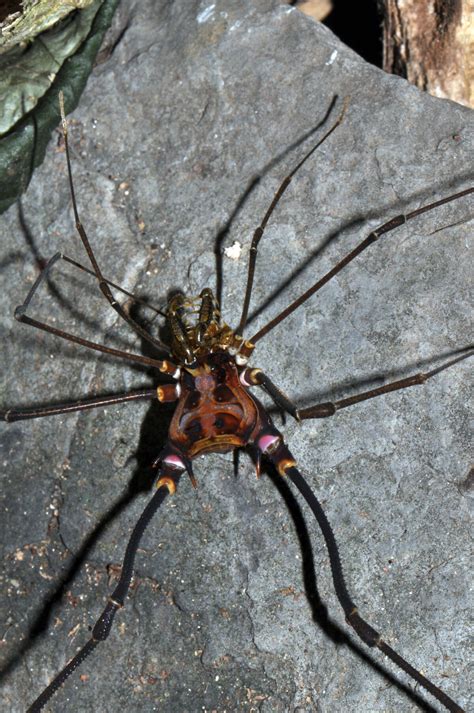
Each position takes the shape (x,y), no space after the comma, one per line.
(329,408)
(363,629)
(387,227)
(272,445)
(83,405)
(256,377)
(90,345)
(20,315)
(138,300)
(259,231)
(103,625)
(47,269)
(105,289)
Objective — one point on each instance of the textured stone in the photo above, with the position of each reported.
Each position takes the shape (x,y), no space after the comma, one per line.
(189,106)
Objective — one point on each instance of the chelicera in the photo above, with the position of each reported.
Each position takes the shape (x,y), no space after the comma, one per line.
(216,409)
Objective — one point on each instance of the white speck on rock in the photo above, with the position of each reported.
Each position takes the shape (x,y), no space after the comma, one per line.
(206,14)
(234,251)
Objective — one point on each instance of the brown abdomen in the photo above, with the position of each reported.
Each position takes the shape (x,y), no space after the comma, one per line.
(215,413)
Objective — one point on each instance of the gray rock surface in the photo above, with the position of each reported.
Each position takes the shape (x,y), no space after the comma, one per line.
(192,101)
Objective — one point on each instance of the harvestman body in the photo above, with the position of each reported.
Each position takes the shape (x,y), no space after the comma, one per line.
(216,409)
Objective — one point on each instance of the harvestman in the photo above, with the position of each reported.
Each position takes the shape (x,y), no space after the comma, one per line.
(215,410)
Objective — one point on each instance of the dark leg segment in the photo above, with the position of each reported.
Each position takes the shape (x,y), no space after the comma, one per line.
(39,411)
(128,356)
(79,266)
(277,452)
(21,316)
(371,238)
(329,408)
(115,602)
(367,633)
(259,231)
(133,297)
(105,289)
(256,377)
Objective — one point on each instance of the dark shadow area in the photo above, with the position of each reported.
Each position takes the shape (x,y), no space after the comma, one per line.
(47,267)
(252,184)
(359,26)
(319,610)
(11,258)
(64,350)
(153,436)
(355,221)
(350,387)
(9,7)
(304,265)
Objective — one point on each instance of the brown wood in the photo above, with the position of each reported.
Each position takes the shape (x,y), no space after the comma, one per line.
(431,43)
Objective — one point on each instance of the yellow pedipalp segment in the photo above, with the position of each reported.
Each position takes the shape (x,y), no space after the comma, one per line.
(166,482)
(285,465)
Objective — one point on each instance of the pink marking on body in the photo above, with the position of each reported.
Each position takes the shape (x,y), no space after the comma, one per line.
(243,380)
(174,462)
(266,442)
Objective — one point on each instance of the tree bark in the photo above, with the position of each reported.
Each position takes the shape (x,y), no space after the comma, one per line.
(431,43)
